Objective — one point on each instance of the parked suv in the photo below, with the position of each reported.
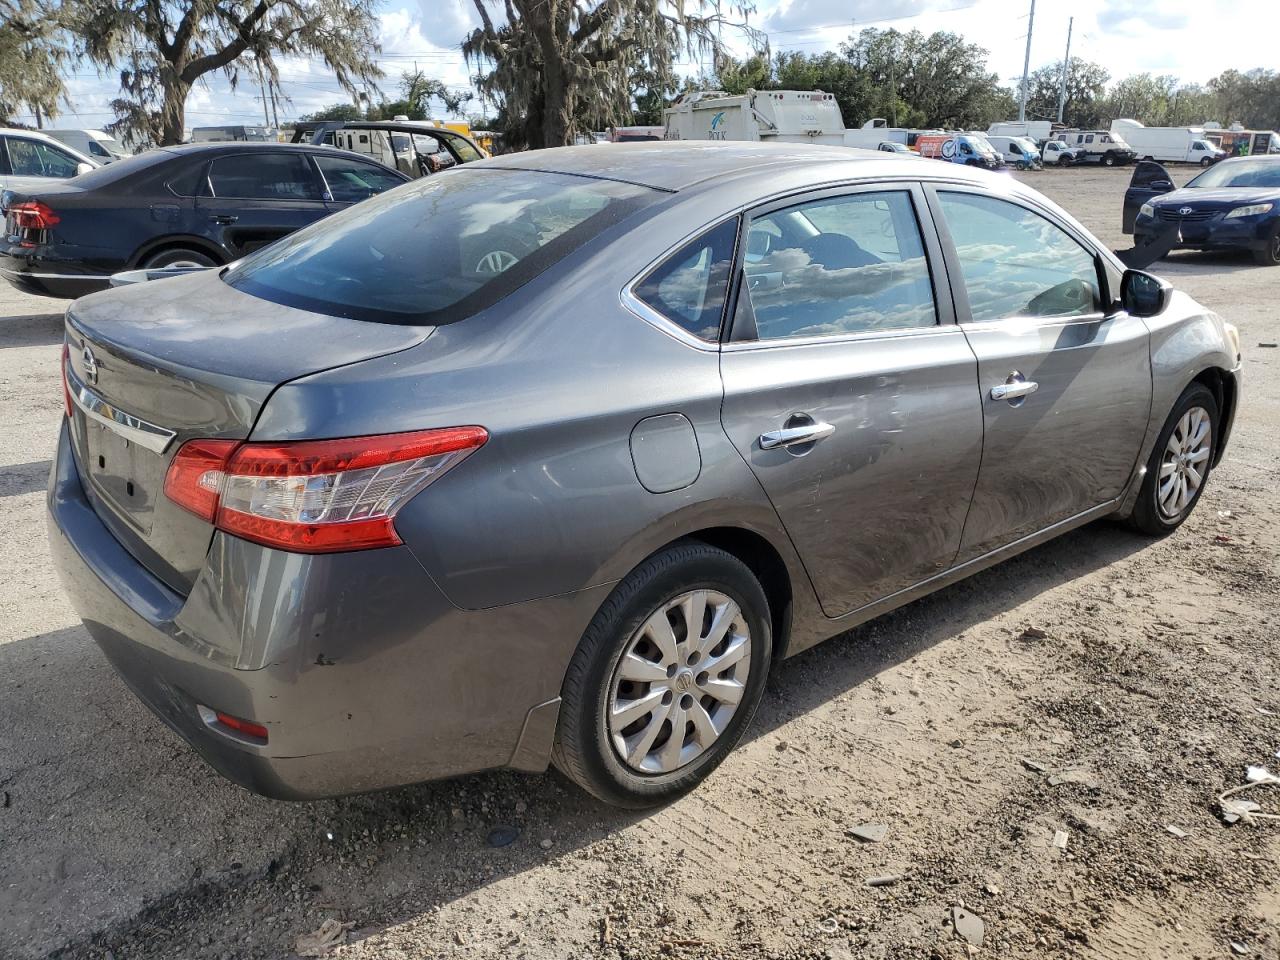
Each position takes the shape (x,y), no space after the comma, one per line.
(198,205)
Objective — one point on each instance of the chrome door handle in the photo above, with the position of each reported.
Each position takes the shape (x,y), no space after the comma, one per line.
(793,436)
(1012,391)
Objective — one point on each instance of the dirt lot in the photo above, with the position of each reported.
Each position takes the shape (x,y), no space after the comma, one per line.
(1103,685)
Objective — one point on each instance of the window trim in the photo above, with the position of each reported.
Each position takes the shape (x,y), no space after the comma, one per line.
(960,293)
(317,180)
(935,263)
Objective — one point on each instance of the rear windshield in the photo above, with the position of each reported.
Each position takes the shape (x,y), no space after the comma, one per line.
(111,172)
(437,249)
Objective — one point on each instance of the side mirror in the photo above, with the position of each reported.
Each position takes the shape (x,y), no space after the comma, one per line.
(1144,295)
(83,167)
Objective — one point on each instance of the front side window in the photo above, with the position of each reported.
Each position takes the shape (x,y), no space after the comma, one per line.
(439,249)
(837,266)
(263,176)
(30,158)
(1015,263)
(351,181)
(689,287)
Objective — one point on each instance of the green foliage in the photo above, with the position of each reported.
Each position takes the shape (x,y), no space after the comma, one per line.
(1251,98)
(32,51)
(417,91)
(162,48)
(1086,93)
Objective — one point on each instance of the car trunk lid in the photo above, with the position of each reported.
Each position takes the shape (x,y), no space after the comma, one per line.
(157,364)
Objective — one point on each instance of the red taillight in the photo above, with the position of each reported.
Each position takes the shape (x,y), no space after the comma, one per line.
(33,215)
(66,387)
(314,496)
(247,727)
(195,476)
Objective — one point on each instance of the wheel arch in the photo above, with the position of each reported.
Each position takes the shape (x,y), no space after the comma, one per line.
(1222,384)
(175,241)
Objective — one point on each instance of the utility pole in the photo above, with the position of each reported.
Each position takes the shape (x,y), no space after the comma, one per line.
(1066,65)
(273,90)
(266,118)
(1026,65)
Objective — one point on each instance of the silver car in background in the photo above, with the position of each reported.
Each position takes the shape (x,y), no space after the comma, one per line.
(550,458)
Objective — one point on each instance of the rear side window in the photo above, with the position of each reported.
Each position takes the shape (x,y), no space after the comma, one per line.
(439,249)
(1015,263)
(351,181)
(263,176)
(689,287)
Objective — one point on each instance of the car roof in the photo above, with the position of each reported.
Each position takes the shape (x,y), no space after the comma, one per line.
(242,146)
(677,165)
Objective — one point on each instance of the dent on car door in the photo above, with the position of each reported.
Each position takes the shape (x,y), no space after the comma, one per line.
(251,199)
(850,393)
(1064,376)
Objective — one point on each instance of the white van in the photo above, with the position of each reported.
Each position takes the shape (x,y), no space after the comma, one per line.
(1021,153)
(93,143)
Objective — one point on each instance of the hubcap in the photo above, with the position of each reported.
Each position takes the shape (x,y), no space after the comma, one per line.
(1185,460)
(679,682)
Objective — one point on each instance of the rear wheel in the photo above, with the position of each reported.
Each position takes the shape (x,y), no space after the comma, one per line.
(1205,161)
(1108,159)
(178,257)
(1180,463)
(666,678)
(1269,254)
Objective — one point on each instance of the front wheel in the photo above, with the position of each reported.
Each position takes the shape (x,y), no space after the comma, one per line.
(1180,463)
(1205,161)
(666,678)
(1108,159)
(1268,255)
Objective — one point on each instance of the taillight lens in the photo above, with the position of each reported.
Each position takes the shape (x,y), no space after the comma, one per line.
(33,215)
(314,496)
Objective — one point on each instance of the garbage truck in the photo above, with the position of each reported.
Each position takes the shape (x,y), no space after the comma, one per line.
(779,116)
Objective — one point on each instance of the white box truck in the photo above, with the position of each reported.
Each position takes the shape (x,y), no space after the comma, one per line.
(1037,130)
(1168,144)
(780,116)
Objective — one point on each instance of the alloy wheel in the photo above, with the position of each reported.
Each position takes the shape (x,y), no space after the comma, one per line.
(1183,465)
(496,261)
(679,682)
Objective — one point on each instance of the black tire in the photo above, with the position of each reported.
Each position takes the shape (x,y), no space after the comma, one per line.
(1066,160)
(1269,255)
(175,256)
(1147,516)
(1205,161)
(1108,159)
(584,750)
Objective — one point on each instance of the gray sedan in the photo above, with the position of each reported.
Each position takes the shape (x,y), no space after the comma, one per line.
(550,459)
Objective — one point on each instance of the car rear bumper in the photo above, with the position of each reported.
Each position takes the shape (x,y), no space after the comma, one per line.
(32,273)
(364,675)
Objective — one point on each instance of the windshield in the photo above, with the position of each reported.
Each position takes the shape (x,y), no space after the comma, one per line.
(1258,172)
(438,249)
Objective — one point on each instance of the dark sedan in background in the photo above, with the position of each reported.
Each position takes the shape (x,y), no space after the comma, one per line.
(197,205)
(1234,205)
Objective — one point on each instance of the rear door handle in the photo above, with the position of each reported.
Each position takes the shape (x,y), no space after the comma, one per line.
(793,436)
(1015,390)
(223,219)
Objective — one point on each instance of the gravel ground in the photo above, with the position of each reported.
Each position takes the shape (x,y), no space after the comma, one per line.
(1103,685)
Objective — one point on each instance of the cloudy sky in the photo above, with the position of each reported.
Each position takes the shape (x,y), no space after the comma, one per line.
(1190,39)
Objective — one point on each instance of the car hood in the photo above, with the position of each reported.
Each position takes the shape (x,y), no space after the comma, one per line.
(1217,199)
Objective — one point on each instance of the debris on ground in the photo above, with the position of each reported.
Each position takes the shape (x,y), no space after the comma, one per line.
(869,832)
(502,836)
(968,926)
(1033,633)
(829,925)
(1034,765)
(1268,345)
(1239,949)
(1060,838)
(1177,832)
(1074,776)
(1248,811)
(332,933)
(885,881)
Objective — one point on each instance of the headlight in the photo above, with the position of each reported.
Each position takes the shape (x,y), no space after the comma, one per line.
(1148,210)
(1233,335)
(1250,211)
